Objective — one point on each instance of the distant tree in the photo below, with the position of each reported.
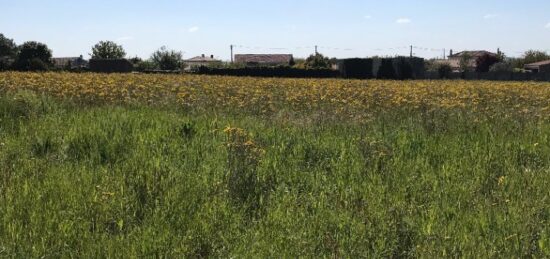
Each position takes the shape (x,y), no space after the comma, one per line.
(165,59)
(317,61)
(485,61)
(8,48)
(8,52)
(107,50)
(465,63)
(533,56)
(33,56)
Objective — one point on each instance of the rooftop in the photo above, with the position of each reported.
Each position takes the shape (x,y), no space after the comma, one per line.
(538,64)
(203,58)
(263,58)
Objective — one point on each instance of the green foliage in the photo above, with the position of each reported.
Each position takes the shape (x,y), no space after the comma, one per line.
(155,181)
(484,62)
(8,48)
(33,56)
(533,56)
(504,66)
(317,61)
(165,59)
(107,50)
(444,70)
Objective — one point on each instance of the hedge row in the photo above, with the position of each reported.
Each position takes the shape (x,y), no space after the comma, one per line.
(111,65)
(288,72)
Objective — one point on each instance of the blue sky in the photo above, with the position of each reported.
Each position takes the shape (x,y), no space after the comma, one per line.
(342,28)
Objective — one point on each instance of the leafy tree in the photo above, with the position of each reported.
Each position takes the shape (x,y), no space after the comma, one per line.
(317,61)
(8,52)
(8,48)
(533,56)
(485,61)
(465,62)
(33,56)
(107,50)
(165,59)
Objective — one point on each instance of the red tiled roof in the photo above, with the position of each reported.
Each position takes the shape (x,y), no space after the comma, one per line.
(263,58)
(536,65)
(473,54)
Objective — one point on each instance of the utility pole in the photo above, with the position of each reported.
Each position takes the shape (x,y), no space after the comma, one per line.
(231,53)
(411,51)
(444,53)
(316,50)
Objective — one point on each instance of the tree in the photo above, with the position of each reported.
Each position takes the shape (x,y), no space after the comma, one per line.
(533,56)
(465,63)
(485,61)
(107,50)
(8,52)
(317,61)
(165,59)
(8,48)
(33,56)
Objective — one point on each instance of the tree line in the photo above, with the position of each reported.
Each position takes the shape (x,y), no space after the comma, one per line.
(36,56)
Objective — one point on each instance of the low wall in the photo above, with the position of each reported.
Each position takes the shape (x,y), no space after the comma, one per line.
(491,76)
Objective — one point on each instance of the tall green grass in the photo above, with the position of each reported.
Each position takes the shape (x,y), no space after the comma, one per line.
(139,181)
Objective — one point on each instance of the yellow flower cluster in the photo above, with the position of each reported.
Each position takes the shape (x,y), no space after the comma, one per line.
(268,95)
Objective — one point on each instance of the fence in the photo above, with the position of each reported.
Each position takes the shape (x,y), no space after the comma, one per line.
(111,65)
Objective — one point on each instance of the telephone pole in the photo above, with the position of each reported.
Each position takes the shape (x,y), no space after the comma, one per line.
(316,50)
(231,53)
(444,54)
(411,51)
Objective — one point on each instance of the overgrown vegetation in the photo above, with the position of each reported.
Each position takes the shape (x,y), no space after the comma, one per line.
(298,171)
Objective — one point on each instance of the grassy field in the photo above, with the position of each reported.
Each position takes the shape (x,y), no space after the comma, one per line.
(193,166)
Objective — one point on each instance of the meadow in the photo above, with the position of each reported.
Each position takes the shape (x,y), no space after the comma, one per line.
(130,165)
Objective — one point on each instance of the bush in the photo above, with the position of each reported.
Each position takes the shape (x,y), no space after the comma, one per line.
(34,64)
(484,62)
(317,61)
(502,67)
(444,70)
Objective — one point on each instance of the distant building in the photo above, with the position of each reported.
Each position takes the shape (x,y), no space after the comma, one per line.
(201,61)
(455,59)
(70,63)
(539,67)
(264,59)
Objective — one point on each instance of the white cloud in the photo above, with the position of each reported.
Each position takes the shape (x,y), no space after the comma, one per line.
(547,26)
(125,38)
(193,29)
(403,20)
(490,16)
